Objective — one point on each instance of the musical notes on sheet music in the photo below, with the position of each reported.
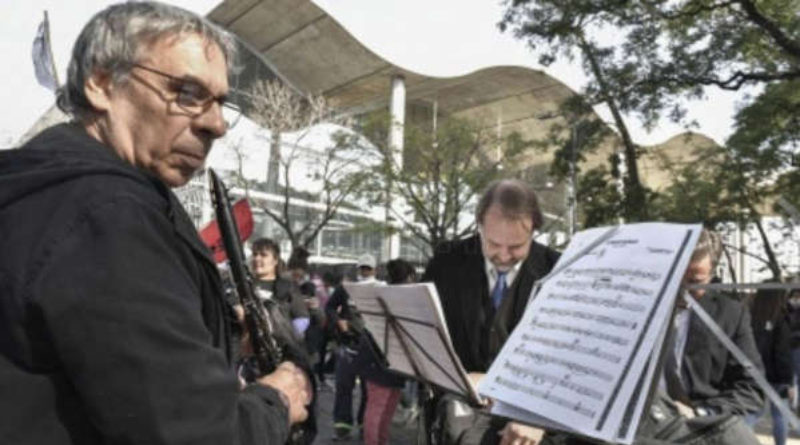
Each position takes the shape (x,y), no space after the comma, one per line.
(580,331)
(613,303)
(571,366)
(545,395)
(581,348)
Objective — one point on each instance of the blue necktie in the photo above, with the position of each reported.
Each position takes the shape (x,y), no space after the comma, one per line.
(499,289)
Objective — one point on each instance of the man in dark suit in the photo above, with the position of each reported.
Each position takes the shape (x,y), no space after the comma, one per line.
(711,381)
(485,282)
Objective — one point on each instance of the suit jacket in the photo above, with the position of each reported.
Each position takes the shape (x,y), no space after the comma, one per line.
(712,376)
(478,330)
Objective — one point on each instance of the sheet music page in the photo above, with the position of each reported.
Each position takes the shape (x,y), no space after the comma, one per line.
(579,352)
(365,298)
(418,311)
(633,412)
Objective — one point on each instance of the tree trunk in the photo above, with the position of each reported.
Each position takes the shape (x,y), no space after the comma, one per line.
(634,199)
(774,266)
(731,267)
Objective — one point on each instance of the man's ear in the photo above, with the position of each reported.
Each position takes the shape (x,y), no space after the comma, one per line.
(98,91)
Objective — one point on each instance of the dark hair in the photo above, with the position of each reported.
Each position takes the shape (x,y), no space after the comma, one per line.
(768,305)
(399,271)
(262,244)
(332,278)
(299,258)
(516,199)
(308,289)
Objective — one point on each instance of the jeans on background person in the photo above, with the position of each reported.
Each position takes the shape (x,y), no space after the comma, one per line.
(796,366)
(347,371)
(410,393)
(780,429)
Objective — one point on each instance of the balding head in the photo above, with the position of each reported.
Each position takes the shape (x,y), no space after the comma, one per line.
(507,215)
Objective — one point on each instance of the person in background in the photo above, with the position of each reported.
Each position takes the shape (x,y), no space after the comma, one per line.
(383,387)
(793,315)
(265,261)
(349,327)
(298,273)
(700,374)
(113,320)
(771,331)
(327,363)
(297,266)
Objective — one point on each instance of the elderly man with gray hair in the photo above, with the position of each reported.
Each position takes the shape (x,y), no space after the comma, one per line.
(113,326)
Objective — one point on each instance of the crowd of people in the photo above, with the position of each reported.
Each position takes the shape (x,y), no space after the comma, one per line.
(313,299)
(116,327)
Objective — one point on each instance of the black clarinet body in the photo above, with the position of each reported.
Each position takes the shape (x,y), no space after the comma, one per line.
(270,346)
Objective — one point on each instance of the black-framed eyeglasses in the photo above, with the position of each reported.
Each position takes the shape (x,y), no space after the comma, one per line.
(195,99)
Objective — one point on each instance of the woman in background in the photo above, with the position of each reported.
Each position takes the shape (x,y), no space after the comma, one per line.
(265,263)
(383,387)
(772,331)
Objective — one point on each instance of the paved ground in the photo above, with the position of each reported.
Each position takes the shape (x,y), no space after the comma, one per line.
(764,431)
(406,434)
(401,434)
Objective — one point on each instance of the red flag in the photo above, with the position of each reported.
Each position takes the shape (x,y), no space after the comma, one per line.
(244,222)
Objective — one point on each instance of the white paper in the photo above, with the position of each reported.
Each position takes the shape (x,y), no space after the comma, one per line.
(418,343)
(418,312)
(365,298)
(578,353)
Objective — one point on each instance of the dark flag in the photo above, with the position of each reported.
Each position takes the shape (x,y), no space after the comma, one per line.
(42,57)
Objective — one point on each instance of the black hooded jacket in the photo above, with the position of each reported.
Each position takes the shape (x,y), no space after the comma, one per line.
(113,327)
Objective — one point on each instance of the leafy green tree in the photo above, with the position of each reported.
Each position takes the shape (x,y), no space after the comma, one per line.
(563,29)
(646,57)
(722,185)
(435,181)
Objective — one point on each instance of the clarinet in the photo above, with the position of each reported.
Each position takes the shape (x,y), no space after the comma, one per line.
(258,321)
(267,353)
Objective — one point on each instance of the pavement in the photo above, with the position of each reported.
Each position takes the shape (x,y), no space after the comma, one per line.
(763,430)
(403,433)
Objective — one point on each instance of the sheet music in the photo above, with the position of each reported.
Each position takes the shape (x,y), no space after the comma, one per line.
(419,313)
(419,318)
(365,298)
(579,352)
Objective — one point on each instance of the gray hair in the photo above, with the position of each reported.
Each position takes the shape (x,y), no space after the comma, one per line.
(112,39)
(516,199)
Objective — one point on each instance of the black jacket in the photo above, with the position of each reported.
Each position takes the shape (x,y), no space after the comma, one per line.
(113,328)
(772,341)
(339,307)
(713,377)
(458,270)
(286,293)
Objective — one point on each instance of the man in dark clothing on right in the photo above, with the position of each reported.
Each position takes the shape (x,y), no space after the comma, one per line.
(699,372)
(485,283)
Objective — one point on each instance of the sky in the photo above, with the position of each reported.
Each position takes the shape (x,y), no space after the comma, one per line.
(436,38)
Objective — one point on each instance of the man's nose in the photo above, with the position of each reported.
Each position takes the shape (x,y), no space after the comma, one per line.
(504,255)
(212,122)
